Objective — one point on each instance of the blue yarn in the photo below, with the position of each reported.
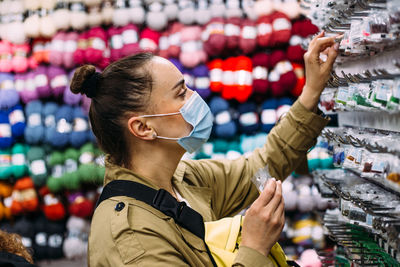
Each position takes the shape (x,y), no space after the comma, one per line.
(79,136)
(49,118)
(9,97)
(285,101)
(225,130)
(60,136)
(268,105)
(17,120)
(246,126)
(34,134)
(6,138)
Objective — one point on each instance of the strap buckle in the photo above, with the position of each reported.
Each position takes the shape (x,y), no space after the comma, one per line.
(167,204)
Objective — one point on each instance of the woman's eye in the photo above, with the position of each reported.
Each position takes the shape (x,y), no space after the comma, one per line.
(183,94)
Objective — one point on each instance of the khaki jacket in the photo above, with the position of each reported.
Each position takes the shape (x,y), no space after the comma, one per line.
(140,235)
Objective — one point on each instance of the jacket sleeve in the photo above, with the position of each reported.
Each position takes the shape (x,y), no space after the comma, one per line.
(284,151)
(250,257)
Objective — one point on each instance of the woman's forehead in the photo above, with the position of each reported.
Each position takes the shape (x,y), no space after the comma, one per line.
(164,72)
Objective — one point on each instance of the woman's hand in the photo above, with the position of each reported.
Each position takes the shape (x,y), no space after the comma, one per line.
(265,219)
(318,71)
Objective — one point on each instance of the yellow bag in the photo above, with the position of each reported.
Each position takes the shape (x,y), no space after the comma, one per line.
(223,238)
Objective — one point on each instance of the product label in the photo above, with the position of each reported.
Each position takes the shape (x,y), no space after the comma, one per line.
(55,241)
(249,32)
(130,36)
(59,81)
(215,28)
(80,125)
(228,77)
(57,45)
(163,43)
(342,94)
(16,116)
(147,44)
(26,241)
(30,85)
(50,121)
(70,165)
(283,67)
(223,117)
(174,39)
(281,24)
(268,116)
(260,73)
(49,199)
(378,166)
(63,126)
(19,85)
(41,239)
(249,118)
(97,43)
(38,167)
(295,40)
(70,46)
(232,30)
(216,75)
(189,47)
(282,110)
(5,130)
(57,171)
(41,80)
(7,85)
(34,120)
(5,160)
(244,77)
(116,41)
(264,29)
(202,83)
(18,159)
(382,91)
(274,76)
(86,157)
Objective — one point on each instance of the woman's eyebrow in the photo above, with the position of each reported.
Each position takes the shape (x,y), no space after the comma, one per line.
(181,82)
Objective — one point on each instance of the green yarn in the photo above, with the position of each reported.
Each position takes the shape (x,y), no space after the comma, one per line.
(70,179)
(5,164)
(19,161)
(87,169)
(37,165)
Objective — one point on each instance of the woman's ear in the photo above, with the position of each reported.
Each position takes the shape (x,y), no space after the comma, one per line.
(139,127)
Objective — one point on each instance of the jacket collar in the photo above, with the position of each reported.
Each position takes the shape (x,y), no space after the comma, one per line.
(114,172)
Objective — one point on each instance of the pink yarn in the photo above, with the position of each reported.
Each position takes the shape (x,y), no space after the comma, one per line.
(32,62)
(20,60)
(70,46)
(115,42)
(57,49)
(79,54)
(192,53)
(149,40)
(174,40)
(97,39)
(5,56)
(130,39)
(214,37)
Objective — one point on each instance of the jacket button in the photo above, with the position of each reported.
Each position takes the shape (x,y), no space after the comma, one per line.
(120,206)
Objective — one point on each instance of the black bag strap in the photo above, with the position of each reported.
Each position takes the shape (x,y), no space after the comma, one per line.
(162,200)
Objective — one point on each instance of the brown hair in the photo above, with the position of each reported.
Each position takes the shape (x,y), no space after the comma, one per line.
(12,243)
(124,86)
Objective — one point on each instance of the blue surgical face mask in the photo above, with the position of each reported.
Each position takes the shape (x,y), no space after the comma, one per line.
(197,113)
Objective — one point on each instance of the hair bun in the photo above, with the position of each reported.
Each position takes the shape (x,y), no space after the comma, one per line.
(85,81)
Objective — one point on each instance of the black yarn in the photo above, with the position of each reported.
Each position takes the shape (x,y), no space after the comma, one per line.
(90,84)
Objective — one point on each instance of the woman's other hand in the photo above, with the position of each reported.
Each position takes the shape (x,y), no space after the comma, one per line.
(264,220)
(317,70)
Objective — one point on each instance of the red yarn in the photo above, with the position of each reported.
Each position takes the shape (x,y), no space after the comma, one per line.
(130,38)
(244,79)
(174,40)
(261,64)
(232,32)
(264,30)
(248,36)
(228,78)
(96,41)
(216,75)
(149,40)
(281,29)
(213,37)
(79,54)
(301,80)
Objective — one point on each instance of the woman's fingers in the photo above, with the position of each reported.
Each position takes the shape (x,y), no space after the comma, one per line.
(276,200)
(315,38)
(332,54)
(267,194)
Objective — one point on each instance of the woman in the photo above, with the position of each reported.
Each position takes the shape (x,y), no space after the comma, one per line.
(145,119)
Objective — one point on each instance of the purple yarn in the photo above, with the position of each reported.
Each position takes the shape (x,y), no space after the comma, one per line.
(8,95)
(29,93)
(42,82)
(58,80)
(69,97)
(202,80)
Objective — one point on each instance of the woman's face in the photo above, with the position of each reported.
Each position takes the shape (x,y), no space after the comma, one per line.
(169,94)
